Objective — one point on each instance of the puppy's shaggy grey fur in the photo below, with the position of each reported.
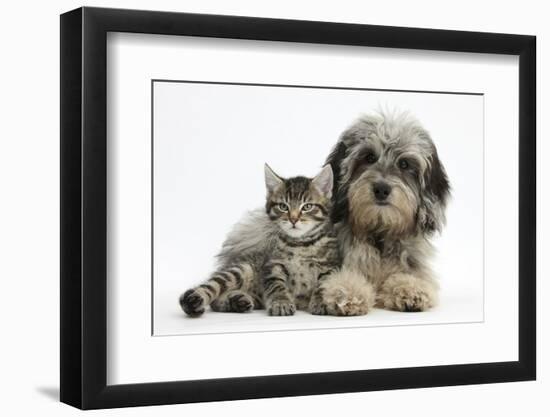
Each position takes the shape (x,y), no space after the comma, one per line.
(390,194)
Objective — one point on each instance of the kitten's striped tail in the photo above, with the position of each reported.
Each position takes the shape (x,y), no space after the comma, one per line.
(228,278)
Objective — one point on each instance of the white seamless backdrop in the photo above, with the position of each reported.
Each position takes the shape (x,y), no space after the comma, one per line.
(133,60)
(210,143)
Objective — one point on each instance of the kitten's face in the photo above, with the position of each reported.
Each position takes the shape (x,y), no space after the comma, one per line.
(299,205)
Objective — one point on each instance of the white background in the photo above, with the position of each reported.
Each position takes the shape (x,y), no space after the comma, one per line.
(29,169)
(210,143)
(133,60)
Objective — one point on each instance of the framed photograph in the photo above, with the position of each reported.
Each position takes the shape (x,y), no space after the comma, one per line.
(257,208)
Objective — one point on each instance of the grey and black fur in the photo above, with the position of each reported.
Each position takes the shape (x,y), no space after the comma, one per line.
(390,194)
(277,257)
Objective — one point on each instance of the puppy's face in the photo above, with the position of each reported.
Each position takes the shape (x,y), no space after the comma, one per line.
(385,187)
(387,172)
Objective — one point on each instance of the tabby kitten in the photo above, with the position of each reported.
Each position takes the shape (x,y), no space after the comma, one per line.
(276,257)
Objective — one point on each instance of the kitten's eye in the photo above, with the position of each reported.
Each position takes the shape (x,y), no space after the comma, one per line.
(282,207)
(371,158)
(403,164)
(307,207)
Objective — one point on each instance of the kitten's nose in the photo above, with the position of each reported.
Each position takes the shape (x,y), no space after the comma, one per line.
(293,217)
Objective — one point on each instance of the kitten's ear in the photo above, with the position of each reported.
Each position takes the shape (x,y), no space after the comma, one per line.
(272,180)
(323,181)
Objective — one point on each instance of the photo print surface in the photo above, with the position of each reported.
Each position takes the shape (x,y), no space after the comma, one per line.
(330,207)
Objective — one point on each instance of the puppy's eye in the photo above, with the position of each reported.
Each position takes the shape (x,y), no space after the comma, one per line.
(403,164)
(283,207)
(371,158)
(307,207)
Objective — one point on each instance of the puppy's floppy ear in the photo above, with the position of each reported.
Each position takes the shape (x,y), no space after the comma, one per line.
(437,190)
(339,191)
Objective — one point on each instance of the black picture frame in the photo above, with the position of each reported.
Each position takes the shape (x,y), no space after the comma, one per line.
(84,197)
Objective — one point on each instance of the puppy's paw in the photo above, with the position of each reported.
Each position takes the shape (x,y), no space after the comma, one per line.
(343,303)
(193,303)
(281,308)
(403,292)
(346,294)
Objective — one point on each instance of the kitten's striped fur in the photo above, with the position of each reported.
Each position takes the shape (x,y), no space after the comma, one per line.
(276,257)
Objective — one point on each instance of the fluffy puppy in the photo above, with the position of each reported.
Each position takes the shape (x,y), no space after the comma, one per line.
(390,194)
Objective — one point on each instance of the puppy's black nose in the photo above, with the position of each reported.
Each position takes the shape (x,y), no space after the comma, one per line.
(381,190)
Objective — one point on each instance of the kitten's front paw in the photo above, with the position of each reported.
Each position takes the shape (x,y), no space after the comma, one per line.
(281,308)
(241,303)
(318,307)
(192,302)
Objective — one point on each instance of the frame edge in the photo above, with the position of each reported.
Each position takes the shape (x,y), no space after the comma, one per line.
(70,204)
(527,271)
(83,213)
